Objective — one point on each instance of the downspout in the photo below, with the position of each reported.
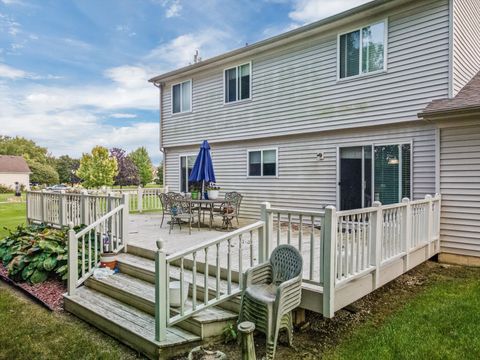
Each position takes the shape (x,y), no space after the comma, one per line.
(160,87)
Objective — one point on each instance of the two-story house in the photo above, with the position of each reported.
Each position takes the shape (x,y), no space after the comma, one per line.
(326,113)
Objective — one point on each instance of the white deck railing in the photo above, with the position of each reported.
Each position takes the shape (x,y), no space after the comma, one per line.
(106,234)
(218,265)
(143,199)
(61,209)
(358,242)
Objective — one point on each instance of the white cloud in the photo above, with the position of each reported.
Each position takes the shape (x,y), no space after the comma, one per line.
(123,116)
(306,11)
(11,73)
(9,25)
(173,8)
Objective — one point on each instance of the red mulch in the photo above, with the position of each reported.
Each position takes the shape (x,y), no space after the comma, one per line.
(49,293)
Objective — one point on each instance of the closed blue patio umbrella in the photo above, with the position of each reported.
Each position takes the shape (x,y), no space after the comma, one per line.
(203,167)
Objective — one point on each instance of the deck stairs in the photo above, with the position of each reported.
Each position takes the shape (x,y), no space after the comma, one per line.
(122,306)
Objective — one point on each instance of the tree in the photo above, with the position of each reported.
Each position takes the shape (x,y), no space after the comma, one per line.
(127,170)
(66,168)
(41,163)
(42,173)
(142,160)
(159,178)
(98,168)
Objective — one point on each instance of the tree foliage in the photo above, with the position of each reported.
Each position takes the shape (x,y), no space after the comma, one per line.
(66,168)
(98,168)
(142,160)
(41,163)
(159,178)
(127,170)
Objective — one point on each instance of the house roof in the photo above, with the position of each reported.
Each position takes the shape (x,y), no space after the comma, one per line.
(467,99)
(284,38)
(13,164)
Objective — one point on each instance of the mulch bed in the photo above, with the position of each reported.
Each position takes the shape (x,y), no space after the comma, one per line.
(49,293)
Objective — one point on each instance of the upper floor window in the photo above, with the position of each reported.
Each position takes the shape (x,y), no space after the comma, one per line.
(238,83)
(362,51)
(262,162)
(182,97)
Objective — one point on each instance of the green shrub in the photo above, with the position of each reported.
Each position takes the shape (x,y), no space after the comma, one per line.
(5,189)
(34,253)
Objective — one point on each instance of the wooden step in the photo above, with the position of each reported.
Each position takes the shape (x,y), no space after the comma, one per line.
(141,294)
(144,269)
(130,325)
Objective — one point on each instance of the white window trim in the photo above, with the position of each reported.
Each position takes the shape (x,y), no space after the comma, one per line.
(372,145)
(261,163)
(180,169)
(385,52)
(181,97)
(250,84)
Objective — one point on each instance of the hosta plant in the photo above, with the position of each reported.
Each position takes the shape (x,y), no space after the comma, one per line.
(35,252)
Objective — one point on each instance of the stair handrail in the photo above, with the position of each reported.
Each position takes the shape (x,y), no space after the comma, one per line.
(109,232)
(233,244)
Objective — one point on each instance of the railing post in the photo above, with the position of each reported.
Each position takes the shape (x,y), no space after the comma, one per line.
(161,288)
(125,220)
(407,232)
(429,225)
(329,236)
(62,207)
(377,233)
(43,209)
(265,239)
(140,198)
(84,208)
(437,221)
(27,208)
(72,261)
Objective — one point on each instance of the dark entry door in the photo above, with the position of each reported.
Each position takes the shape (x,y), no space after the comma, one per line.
(355,177)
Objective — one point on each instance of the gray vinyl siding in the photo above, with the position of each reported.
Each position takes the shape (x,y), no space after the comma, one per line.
(466,42)
(460,189)
(303,181)
(295,88)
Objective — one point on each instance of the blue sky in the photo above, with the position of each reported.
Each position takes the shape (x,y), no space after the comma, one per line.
(73,74)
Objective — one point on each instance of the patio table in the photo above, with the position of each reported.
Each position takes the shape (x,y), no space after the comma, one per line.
(208,204)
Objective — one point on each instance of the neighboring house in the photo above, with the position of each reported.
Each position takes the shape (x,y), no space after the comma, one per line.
(14,169)
(458,176)
(326,113)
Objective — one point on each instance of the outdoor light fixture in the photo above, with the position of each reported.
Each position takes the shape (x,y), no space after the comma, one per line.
(321,156)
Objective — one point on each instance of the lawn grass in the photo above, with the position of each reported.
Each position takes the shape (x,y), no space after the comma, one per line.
(29,331)
(441,322)
(11,213)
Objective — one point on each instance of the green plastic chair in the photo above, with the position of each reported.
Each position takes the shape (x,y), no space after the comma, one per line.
(271,291)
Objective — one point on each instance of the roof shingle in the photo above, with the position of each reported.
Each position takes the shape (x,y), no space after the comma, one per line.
(467,98)
(13,164)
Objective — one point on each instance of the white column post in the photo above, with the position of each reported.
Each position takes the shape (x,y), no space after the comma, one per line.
(27,208)
(267,231)
(84,208)
(162,309)
(72,261)
(140,198)
(125,220)
(429,225)
(43,209)
(377,233)
(329,236)
(407,232)
(62,216)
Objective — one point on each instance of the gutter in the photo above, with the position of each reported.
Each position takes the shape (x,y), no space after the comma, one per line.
(449,113)
(160,86)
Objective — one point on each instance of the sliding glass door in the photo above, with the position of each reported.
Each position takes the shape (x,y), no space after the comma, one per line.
(186,166)
(385,178)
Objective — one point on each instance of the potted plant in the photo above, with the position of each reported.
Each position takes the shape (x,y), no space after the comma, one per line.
(213,190)
(194,189)
(107,259)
